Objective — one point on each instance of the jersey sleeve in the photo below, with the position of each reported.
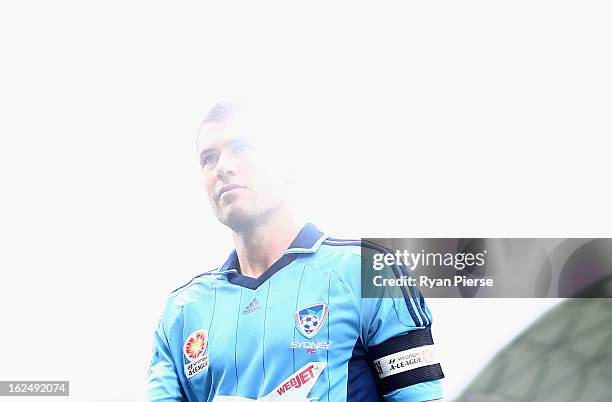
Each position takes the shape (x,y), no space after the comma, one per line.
(163,382)
(396,328)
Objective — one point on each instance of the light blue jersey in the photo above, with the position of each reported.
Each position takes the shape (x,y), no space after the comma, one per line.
(299,332)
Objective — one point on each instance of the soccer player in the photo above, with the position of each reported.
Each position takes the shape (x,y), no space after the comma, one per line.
(283,319)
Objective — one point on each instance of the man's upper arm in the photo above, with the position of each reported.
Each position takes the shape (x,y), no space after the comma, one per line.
(163,383)
(397,332)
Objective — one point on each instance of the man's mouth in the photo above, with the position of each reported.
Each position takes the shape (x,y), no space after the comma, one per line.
(227,188)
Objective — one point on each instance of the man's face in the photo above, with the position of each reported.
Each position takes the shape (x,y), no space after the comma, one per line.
(237,175)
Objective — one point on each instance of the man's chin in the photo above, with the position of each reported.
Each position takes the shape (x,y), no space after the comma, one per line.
(244,219)
(237,219)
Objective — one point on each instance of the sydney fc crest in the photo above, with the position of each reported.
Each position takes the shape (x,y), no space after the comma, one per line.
(309,320)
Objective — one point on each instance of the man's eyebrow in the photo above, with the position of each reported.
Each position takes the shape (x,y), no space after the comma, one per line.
(237,141)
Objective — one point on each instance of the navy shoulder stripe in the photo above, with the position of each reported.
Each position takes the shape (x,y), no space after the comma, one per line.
(336,239)
(343,243)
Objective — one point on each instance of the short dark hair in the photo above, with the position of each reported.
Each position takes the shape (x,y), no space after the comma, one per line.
(271,119)
(223,111)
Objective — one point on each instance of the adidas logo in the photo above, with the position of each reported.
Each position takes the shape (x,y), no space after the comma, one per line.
(253,306)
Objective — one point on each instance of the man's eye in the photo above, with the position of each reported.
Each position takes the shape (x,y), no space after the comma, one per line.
(208,159)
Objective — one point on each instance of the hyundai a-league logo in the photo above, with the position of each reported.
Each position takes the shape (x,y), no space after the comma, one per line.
(309,320)
(195,345)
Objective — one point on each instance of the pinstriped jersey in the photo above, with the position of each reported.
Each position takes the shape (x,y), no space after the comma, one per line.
(299,332)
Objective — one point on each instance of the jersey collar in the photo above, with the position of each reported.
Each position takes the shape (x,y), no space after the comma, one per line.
(307,241)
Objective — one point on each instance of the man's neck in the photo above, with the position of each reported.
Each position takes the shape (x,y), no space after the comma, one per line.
(262,245)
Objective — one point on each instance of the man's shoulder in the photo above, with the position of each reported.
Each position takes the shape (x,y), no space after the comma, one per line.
(349,249)
(191,291)
(338,247)
(344,257)
(339,255)
(202,279)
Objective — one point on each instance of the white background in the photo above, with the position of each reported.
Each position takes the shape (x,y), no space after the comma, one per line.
(452,119)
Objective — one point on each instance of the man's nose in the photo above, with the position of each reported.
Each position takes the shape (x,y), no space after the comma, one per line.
(226,165)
